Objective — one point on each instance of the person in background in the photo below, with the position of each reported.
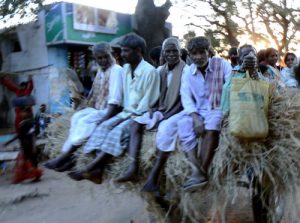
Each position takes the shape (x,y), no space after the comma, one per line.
(184,54)
(297,73)
(271,57)
(26,167)
(232,55)
(92,68)
(155,56)
(42,119)
(261,60)
(23,89)
(116,52)
(287,73)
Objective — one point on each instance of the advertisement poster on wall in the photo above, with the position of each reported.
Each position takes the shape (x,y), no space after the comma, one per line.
(95,20)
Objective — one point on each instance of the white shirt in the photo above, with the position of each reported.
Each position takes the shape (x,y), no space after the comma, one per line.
(141,92)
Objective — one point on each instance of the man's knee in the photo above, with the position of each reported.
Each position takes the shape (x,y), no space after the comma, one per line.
(136,128)
(212,133)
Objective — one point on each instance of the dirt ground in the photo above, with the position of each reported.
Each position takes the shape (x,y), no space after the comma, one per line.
(56,198)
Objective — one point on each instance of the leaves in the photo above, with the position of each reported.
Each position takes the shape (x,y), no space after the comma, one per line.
(264,21)
(11,8)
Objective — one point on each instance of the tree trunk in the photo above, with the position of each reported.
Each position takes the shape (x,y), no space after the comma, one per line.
(150,22)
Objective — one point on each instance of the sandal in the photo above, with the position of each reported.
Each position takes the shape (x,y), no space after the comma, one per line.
(193,184)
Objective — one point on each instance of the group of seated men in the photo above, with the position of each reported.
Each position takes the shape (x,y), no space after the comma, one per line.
(180,101)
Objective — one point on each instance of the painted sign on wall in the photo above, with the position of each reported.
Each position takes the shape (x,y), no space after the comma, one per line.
(71,23)
(95,20)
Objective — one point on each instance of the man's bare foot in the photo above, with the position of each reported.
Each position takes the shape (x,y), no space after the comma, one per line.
(67,166)
(130,175)
(127,177)
(51,164)
(95,175)
(77,175)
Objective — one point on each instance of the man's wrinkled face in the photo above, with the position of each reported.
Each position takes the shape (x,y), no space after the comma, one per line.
(199,57)
(103,59)
(171,54)
(129,55)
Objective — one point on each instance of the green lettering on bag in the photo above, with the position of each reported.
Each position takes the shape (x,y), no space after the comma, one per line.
(247,97)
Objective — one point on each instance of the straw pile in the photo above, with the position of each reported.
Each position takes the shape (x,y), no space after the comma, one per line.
(275,161)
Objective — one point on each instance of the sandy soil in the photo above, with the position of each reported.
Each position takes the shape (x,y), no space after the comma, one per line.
(56,198)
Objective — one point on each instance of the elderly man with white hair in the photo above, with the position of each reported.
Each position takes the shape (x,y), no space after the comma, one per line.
(103,102)
(164,116)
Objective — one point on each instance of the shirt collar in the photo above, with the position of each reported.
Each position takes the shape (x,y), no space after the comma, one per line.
(138,70)
(195,70)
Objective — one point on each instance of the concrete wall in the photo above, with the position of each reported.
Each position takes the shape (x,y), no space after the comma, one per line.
(33,52)
(58,56)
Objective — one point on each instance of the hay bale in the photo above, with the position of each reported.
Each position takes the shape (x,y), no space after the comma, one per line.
(275,160)
(57,132)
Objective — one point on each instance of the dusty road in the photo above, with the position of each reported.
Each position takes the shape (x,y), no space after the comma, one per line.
(56,198)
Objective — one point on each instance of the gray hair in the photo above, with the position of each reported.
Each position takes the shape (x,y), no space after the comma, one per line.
(102,47)
(171,40)
(198,43)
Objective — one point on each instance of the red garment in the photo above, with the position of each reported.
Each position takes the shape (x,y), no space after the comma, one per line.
(24,170)
(16,88)
(19,93)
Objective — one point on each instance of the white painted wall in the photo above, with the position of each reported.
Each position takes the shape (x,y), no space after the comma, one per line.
(33,44)
(58,56)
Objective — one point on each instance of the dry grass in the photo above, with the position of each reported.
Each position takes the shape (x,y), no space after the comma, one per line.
(274,160)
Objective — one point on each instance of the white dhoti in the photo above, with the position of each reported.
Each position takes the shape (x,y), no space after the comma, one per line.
(167,133)
(166,136)
(83,123)
(149,122)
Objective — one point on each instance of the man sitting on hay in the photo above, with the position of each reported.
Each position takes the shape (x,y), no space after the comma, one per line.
(164,116)
(140,92)
(103,102)
(201,92)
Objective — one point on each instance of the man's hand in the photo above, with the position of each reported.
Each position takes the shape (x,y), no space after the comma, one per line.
(151,112)
(99,121)
(250,64)
(198,124)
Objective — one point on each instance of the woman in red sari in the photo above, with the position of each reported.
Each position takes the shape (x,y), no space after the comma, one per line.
(24,89)
(27,165)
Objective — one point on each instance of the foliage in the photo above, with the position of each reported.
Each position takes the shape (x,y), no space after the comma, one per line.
(150,22)
(280,21)
(10,8)
(267,22)
(188,36)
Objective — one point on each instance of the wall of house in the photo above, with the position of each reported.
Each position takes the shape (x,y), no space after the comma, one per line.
(58,56)
(32,50)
